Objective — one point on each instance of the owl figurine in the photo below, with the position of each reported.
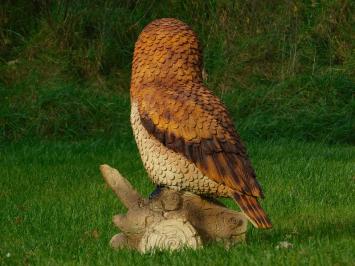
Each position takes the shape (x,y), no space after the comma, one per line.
(184,133)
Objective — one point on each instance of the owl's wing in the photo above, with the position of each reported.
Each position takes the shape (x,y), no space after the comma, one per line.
(193,122)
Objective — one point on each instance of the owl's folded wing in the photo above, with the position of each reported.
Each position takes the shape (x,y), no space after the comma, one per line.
(194,123)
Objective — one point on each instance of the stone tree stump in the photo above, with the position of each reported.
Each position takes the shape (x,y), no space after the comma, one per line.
(171,220)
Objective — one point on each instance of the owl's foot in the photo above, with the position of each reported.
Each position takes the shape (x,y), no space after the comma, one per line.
(156,192)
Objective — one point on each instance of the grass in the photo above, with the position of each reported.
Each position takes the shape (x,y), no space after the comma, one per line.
(65,65)
(322,108)
(55,208)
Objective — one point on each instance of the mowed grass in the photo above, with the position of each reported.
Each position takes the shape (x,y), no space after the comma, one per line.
(56,209)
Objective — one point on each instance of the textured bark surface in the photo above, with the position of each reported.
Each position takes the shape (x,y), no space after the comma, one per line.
(171,220)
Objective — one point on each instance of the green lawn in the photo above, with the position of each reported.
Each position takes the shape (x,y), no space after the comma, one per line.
(56,209)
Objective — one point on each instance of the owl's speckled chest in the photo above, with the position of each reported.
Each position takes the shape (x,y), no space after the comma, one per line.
(166,167)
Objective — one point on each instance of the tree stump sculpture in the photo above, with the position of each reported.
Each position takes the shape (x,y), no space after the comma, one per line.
(171,220)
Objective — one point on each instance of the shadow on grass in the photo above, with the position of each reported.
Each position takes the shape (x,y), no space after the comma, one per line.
(301,233)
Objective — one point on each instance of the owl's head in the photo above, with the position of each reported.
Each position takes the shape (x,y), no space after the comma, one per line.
(167,49)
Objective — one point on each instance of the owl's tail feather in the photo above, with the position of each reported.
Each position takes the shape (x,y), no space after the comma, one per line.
(251,208)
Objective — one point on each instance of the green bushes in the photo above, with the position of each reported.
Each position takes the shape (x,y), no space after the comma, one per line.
(285,69)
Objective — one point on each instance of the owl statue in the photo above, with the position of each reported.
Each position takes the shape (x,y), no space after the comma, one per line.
(184,133)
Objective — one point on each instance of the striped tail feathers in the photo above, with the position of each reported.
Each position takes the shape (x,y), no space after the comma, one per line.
(252,209)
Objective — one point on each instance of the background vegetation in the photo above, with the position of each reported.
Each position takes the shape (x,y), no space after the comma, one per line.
(284,68)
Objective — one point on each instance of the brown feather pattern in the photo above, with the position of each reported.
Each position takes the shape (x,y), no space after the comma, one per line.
(179,111)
